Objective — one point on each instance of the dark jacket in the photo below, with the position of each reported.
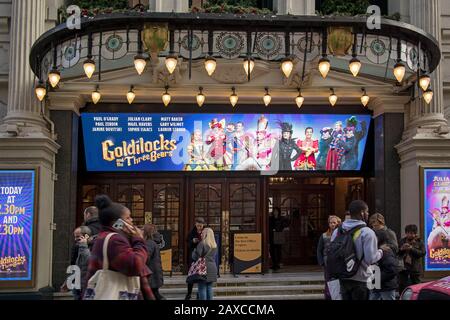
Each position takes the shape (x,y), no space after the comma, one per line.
(277,224)
(209,254)
(82,262)
(393,242)
(389,271)
(154,262)
(126,255)
(412,258)
(191,245)
(322,247)
(94,225)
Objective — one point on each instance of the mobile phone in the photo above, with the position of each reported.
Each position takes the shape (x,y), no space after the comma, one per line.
(119,224)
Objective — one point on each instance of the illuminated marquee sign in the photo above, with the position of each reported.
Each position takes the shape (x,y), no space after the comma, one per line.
(224,142)
(17,215)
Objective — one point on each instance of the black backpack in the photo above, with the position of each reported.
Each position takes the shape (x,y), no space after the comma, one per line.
(342,261)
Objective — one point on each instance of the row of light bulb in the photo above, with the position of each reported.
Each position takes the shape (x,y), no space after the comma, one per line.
(399,73)
(287,66)
(234,98)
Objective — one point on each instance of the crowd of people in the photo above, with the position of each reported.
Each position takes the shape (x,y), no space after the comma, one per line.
(370,243)
(109,240)
(346,251)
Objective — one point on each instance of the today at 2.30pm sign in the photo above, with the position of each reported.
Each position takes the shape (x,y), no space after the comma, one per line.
(436,204)
(17,214)
(224,142)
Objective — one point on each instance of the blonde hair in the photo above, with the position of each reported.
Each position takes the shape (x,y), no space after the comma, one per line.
(339,221)
(208,238)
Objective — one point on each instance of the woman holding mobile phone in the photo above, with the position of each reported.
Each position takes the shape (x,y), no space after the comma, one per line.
(127,252)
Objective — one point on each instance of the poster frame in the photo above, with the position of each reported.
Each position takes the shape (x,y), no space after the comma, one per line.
(428,273)
(27,284)
(233,257)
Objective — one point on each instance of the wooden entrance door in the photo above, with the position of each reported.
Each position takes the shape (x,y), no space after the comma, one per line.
(227,205)
(150,200)
(306,208)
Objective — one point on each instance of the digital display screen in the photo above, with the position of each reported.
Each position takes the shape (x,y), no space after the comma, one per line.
(437,219)
(17,205)
(224,142)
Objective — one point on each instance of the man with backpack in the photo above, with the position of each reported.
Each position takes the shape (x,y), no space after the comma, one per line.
(353,249)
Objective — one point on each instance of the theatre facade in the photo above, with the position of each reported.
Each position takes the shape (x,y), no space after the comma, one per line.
(224,117)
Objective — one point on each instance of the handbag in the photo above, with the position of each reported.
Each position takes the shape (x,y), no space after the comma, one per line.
(106,284)
(198,271)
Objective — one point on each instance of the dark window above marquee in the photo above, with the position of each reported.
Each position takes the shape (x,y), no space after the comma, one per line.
(383,4)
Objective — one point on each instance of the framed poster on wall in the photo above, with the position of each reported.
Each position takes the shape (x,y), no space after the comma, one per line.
(435,203)
(18,211)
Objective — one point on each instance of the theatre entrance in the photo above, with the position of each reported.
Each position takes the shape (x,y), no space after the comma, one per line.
(305,204)
(227,204)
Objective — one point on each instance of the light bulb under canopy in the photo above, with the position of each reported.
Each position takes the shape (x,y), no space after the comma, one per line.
(365,99)
(96,96)
(131,96)
(428,96)
(299,100)
(399,71)
(267,99)
(287,66)
(234,98)
(166,97)
(171,63)
(200,97)
(249,65)
(425,82)
(89,67)
(140,63)
(355,66)
(40,91)
(333,98)
(210,65)
(324,66)
(54,77)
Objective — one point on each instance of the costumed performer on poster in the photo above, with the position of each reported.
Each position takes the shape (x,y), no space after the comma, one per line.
(324,146)
(286,145)
(217,140)
(336,151)
(439,237)
(309,148)
(196,153)
(351,144)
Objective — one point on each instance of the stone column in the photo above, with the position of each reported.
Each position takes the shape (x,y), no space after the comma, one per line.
(26,138)
(295,7)
(27,24)
(426,14)
(426,141)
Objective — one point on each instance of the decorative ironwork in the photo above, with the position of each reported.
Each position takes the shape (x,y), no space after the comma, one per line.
(230,45)
(230,37)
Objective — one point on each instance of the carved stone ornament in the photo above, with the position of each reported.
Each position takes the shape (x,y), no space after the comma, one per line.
(155,38)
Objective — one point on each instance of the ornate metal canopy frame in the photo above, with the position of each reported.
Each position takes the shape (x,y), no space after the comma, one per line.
(194,36)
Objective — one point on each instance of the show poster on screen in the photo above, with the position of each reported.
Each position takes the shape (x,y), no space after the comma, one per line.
(17,202)
(224,142)
(437,219)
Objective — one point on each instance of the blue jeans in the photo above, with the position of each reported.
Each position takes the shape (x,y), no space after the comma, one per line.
(205,290)
(385,295)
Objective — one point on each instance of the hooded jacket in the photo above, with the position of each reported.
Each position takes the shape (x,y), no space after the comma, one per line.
(366,245)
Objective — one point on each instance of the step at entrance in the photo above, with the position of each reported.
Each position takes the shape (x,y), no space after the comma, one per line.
(256,287)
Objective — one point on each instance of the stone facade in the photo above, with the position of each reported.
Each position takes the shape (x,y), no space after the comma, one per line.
(29,139)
